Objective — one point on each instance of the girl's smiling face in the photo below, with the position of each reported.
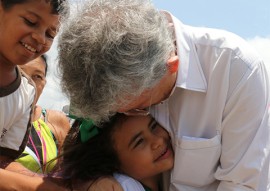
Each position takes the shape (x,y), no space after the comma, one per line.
(143,147)
(27,31)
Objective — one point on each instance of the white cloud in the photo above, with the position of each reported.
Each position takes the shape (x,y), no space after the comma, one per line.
(53,98)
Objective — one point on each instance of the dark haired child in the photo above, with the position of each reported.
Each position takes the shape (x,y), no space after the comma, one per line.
(27,29)
(133,149)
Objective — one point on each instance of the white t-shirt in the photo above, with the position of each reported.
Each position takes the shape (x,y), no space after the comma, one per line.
(16,102)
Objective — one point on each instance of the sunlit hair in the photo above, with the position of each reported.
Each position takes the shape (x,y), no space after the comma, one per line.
(58,6)
(44,59)
(95,158)
(111,50)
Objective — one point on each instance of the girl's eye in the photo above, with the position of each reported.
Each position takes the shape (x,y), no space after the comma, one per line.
(29,22)
(154,126)
(138,142)
(50,35)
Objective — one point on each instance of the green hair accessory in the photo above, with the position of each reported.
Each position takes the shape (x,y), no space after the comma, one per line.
(87,128)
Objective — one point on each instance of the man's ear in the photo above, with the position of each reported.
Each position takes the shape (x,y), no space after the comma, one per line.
(173,64)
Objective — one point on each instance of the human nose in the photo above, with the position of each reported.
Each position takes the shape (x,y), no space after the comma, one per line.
(156,141)
(40,37)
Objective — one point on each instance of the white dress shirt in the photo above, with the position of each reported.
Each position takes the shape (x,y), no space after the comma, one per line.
(217,115)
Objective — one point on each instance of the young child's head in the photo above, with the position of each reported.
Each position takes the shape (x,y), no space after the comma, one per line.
(28,28)
(37,71)
(134,145)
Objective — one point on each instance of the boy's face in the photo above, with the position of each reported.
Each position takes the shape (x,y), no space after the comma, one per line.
(27,31)
(143,147)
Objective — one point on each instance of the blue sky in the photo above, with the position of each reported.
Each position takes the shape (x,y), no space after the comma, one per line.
(247,18)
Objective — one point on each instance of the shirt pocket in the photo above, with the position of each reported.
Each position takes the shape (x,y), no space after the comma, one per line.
(196,160)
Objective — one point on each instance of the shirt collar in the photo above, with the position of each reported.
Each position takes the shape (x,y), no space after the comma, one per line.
(190,74)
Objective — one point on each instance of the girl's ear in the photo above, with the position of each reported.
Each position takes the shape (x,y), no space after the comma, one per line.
(173,64)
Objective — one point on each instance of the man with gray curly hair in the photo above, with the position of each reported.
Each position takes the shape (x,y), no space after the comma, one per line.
(206,86)
(109,46)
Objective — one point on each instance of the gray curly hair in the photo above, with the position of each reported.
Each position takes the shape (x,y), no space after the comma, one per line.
(112,50)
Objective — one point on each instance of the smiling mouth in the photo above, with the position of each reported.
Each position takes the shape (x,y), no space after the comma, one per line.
(28,47)
(162,154)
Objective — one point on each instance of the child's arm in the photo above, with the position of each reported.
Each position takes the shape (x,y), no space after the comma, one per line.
(14,176)
(11,181)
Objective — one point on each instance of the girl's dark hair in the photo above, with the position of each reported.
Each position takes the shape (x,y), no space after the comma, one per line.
(58,6)
(93,159)
(44,58)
